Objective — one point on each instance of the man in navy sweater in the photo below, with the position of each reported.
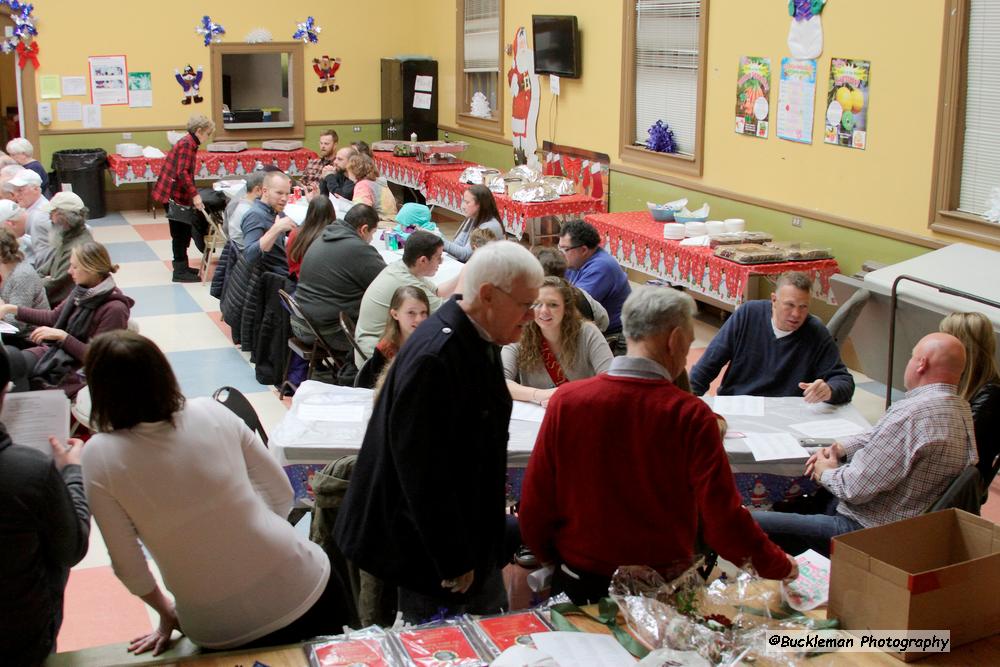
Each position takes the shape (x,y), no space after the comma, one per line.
(776,348)
(597,273)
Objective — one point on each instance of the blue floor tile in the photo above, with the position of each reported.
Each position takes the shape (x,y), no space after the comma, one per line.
(131,251)
(109,220)
(201,372)
(161,300)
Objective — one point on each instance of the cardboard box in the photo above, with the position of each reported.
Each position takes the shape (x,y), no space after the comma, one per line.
(938,571)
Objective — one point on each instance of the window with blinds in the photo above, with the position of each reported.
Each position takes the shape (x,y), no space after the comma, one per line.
(981,145)
(666,69)
(481,50)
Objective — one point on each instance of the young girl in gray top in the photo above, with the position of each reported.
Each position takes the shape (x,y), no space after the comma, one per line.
(22,286)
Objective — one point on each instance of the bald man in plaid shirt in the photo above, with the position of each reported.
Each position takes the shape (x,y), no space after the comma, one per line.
(899,467)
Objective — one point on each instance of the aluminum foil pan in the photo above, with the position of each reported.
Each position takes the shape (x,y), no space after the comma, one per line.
(496,184)
(523,173)
(477,175)
(563,186)
(535,192)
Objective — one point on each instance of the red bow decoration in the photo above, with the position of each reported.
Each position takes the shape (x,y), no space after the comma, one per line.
(26,53)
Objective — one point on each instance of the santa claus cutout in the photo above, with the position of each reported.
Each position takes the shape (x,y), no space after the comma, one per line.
(524,89)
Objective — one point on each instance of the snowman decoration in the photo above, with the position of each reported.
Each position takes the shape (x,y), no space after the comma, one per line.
(524,88)
(805,35)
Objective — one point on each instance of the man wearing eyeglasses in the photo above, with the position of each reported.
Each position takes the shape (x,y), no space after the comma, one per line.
(425,509)
(596,272)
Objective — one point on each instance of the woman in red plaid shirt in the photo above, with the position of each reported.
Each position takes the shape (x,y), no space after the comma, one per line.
(176,183)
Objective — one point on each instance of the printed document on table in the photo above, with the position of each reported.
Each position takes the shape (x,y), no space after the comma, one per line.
(332,412)
(582,649)
(828,428)
(749,406)
(528,412)
(775,447)
(31,417)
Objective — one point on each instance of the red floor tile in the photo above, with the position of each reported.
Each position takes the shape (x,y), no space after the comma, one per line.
(99,610)
(153,232)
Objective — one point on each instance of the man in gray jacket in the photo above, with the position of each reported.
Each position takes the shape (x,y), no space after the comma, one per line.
(336,271)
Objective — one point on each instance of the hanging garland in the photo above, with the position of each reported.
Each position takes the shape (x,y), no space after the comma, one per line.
(24,30)
(212,32)
(308,31)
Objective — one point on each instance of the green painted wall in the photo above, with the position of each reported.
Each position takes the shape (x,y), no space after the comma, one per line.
(488,153)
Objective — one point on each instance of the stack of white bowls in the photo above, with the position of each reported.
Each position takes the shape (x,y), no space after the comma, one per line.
(735,225)
(713,227)
(695,229)
(673,231)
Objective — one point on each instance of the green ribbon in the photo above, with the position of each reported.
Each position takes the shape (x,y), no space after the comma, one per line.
(607,615)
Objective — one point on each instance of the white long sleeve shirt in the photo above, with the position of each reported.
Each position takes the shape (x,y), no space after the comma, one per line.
(209,503)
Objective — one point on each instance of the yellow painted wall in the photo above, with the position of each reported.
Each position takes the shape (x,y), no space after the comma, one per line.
(887,185)
(159,37)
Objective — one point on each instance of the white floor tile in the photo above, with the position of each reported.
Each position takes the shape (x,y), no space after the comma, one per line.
(143,217)
(177,333)
(164,251)
(115,234)
(142,274)
(199,293)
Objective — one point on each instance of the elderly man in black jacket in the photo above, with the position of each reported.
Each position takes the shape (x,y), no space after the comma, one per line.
(44,531)
(425,507)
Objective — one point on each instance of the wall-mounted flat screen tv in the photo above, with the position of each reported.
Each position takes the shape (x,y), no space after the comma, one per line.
(557,45)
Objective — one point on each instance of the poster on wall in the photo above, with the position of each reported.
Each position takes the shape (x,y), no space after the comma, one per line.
(524,88)
(140,89)
(108,80)
(753,96)
(796,100)
(847,103)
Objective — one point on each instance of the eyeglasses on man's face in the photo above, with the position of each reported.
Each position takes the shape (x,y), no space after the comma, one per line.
(567,248)
(525,307)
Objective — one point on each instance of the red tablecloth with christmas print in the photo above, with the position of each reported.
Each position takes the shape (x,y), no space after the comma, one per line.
(444,189)
(636,240)
(211,165)
(411,173)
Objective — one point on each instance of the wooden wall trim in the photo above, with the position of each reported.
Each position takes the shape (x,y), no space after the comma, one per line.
(180,127)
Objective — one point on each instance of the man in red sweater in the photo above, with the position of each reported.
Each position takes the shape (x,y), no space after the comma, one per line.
(626,463)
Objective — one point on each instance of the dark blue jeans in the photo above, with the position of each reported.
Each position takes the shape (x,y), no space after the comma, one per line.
(489,598)
(796,533)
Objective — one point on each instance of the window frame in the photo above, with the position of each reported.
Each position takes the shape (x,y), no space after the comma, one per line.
(297,81)
(489,128)
(944,216)
(637,156)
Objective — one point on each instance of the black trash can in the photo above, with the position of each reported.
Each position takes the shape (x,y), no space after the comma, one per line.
(83,169)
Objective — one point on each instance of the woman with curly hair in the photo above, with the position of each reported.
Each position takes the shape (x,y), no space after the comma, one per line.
(558,346)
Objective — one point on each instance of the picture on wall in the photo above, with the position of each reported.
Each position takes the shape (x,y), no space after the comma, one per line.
(796,100)
(847,103)
(108,80)
(753,96)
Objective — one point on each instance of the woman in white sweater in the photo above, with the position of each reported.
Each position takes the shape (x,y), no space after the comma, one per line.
(558,346)
(199,490)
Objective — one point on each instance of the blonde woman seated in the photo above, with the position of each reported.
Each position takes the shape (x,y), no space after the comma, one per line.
(558,346)
(367,190)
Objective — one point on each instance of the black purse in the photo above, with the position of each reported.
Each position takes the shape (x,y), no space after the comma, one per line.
(191,216)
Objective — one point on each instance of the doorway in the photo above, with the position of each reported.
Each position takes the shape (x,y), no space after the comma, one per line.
(9,111)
